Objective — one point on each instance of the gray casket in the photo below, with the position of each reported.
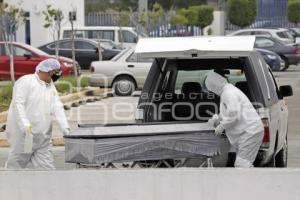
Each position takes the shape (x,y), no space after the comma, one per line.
(127,143)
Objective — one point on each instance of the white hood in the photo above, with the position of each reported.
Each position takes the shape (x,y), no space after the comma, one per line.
(215,83)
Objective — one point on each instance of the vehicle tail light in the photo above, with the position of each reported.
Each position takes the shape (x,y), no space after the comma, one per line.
(92,69)
(266,139)
(297,51)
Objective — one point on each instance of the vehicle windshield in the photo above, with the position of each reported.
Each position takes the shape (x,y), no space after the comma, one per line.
(35,50)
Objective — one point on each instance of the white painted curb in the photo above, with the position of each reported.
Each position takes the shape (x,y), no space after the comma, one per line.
(152,184)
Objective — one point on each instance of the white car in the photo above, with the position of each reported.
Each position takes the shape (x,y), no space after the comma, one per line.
(125,72)
(278,33)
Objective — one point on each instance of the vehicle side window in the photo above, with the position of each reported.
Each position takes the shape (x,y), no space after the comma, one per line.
(79,34)
(65,45)
(284,34)
(2,50)
(271,93)
(81,45)
(145,60)
(132,58)
(18,51)
(67,34)
(263,43)
(276,86)
(52,46)
(262,33)
(128,37)
(107,34)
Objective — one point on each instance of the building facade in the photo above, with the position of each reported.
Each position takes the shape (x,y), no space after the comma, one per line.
(32,31)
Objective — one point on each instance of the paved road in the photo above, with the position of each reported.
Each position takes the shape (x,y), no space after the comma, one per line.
(102,112)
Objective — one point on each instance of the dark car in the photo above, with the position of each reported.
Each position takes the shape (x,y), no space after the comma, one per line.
(86,51)
(272,59)
(290,54)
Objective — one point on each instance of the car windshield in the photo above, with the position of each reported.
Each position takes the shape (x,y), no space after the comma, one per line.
(35,50)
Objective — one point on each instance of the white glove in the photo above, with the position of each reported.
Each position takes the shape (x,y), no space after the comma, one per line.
(66,131)
(214,121)
(28,129)
(219,130)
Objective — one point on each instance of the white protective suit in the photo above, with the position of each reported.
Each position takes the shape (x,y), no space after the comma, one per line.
(239,119)
(34,104)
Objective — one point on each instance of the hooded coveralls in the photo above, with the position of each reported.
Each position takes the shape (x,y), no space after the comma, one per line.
(239,119)
(34,104)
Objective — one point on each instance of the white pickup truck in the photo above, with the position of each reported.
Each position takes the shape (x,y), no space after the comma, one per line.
(174,107)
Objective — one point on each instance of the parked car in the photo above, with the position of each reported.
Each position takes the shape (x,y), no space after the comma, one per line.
(296,34)
(280,34)
(86,51)
(124,73)
(130,34)
(26,58)
(174,90)
(290,54)
(272,59)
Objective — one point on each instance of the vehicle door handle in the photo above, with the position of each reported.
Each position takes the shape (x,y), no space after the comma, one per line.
(130,65)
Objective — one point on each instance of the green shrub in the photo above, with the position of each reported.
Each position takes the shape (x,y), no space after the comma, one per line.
(5,96)
(68,84)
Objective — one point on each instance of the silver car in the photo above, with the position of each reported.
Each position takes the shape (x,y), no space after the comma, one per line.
(125,72)
(279,33)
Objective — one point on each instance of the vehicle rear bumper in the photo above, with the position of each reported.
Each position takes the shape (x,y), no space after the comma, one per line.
(293,59)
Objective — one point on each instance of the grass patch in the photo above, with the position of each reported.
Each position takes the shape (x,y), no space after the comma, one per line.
(5,96)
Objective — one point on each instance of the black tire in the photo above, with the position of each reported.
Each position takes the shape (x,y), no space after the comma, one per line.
(271,163)
(282,156)
(286,63)
(123,86)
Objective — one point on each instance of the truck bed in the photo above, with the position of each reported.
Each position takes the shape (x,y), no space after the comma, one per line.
(133,142)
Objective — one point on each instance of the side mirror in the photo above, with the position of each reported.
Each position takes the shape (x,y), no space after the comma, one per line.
(286,90)
(27,56)
(96,50)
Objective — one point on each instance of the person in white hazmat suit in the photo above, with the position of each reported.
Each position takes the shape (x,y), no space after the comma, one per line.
(238,118)
(35,102)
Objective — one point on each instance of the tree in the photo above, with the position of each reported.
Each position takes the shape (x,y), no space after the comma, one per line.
(177,20)
(241,13)
(191,16)
(53,20)
(204,16)
(122,19)
(294,11)
(156,13)
(11,17)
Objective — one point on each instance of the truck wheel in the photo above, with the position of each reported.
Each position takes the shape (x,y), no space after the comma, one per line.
(281,157)
(271,163)
(123,86)
(286,64)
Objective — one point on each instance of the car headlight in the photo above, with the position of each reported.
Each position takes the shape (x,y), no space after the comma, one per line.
(67,64)
(272,57)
